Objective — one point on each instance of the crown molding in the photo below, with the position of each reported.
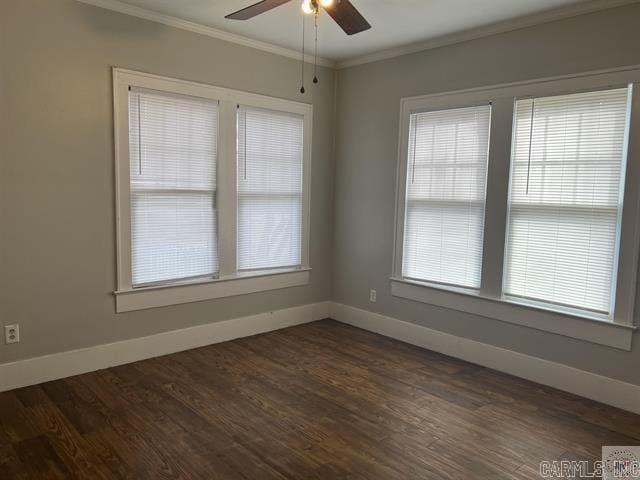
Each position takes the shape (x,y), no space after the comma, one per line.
(441,41)
(171,21)
(488,30)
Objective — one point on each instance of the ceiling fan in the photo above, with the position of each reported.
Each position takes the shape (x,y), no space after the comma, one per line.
(342,11)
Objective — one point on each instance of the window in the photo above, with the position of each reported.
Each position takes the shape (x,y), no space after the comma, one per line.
(212,191)
(172,145)
(446,188)
(520,203)
(269,189)
(567,173)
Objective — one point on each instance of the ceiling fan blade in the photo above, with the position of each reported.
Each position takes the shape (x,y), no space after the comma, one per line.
(256,9)
(348,17)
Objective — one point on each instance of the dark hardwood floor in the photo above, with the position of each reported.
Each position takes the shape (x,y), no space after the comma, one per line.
(318,401)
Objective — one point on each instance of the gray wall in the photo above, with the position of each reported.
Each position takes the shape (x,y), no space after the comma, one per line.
(57,234)
(57,227)
(368,99)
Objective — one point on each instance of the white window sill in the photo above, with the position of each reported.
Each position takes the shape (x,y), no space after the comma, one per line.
(603,332)
(242,284)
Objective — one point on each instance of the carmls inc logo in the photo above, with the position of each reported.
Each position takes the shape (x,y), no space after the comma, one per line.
(617,463)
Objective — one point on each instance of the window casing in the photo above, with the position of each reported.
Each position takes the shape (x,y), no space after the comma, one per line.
(180,176)
(605,319)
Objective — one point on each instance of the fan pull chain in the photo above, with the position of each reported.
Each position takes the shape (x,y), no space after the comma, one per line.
(315,55)
(302,90)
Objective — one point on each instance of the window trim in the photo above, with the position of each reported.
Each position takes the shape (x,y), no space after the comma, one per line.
(187,292)
(601,332)
(229,282)
(489,300)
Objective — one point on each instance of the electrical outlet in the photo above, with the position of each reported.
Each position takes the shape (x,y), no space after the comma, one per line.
(373,296)
(12,333)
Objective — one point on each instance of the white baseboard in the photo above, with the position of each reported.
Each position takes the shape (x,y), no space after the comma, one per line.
(59,365)
(579,382)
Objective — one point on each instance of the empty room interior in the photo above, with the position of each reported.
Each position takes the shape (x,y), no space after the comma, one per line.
(319,239)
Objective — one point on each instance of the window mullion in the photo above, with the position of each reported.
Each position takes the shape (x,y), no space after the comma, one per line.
(495,222)
(227,189)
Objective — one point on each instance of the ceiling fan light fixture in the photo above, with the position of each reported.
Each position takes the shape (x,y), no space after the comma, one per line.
(307,7)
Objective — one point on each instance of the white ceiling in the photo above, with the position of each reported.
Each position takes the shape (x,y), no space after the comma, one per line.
(395,22)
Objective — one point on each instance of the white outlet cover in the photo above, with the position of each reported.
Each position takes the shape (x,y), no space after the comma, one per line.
(12,333)
(373,295)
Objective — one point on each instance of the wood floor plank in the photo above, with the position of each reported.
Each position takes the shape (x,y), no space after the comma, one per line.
(319,401)
(39,460)
(10,464)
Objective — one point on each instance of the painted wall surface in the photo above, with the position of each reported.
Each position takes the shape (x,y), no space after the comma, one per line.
(57,220)
(368,102)
(57,225)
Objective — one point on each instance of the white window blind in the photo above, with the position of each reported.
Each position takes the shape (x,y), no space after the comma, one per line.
(270,159)
(446,190)
(567,173)
(172,151)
